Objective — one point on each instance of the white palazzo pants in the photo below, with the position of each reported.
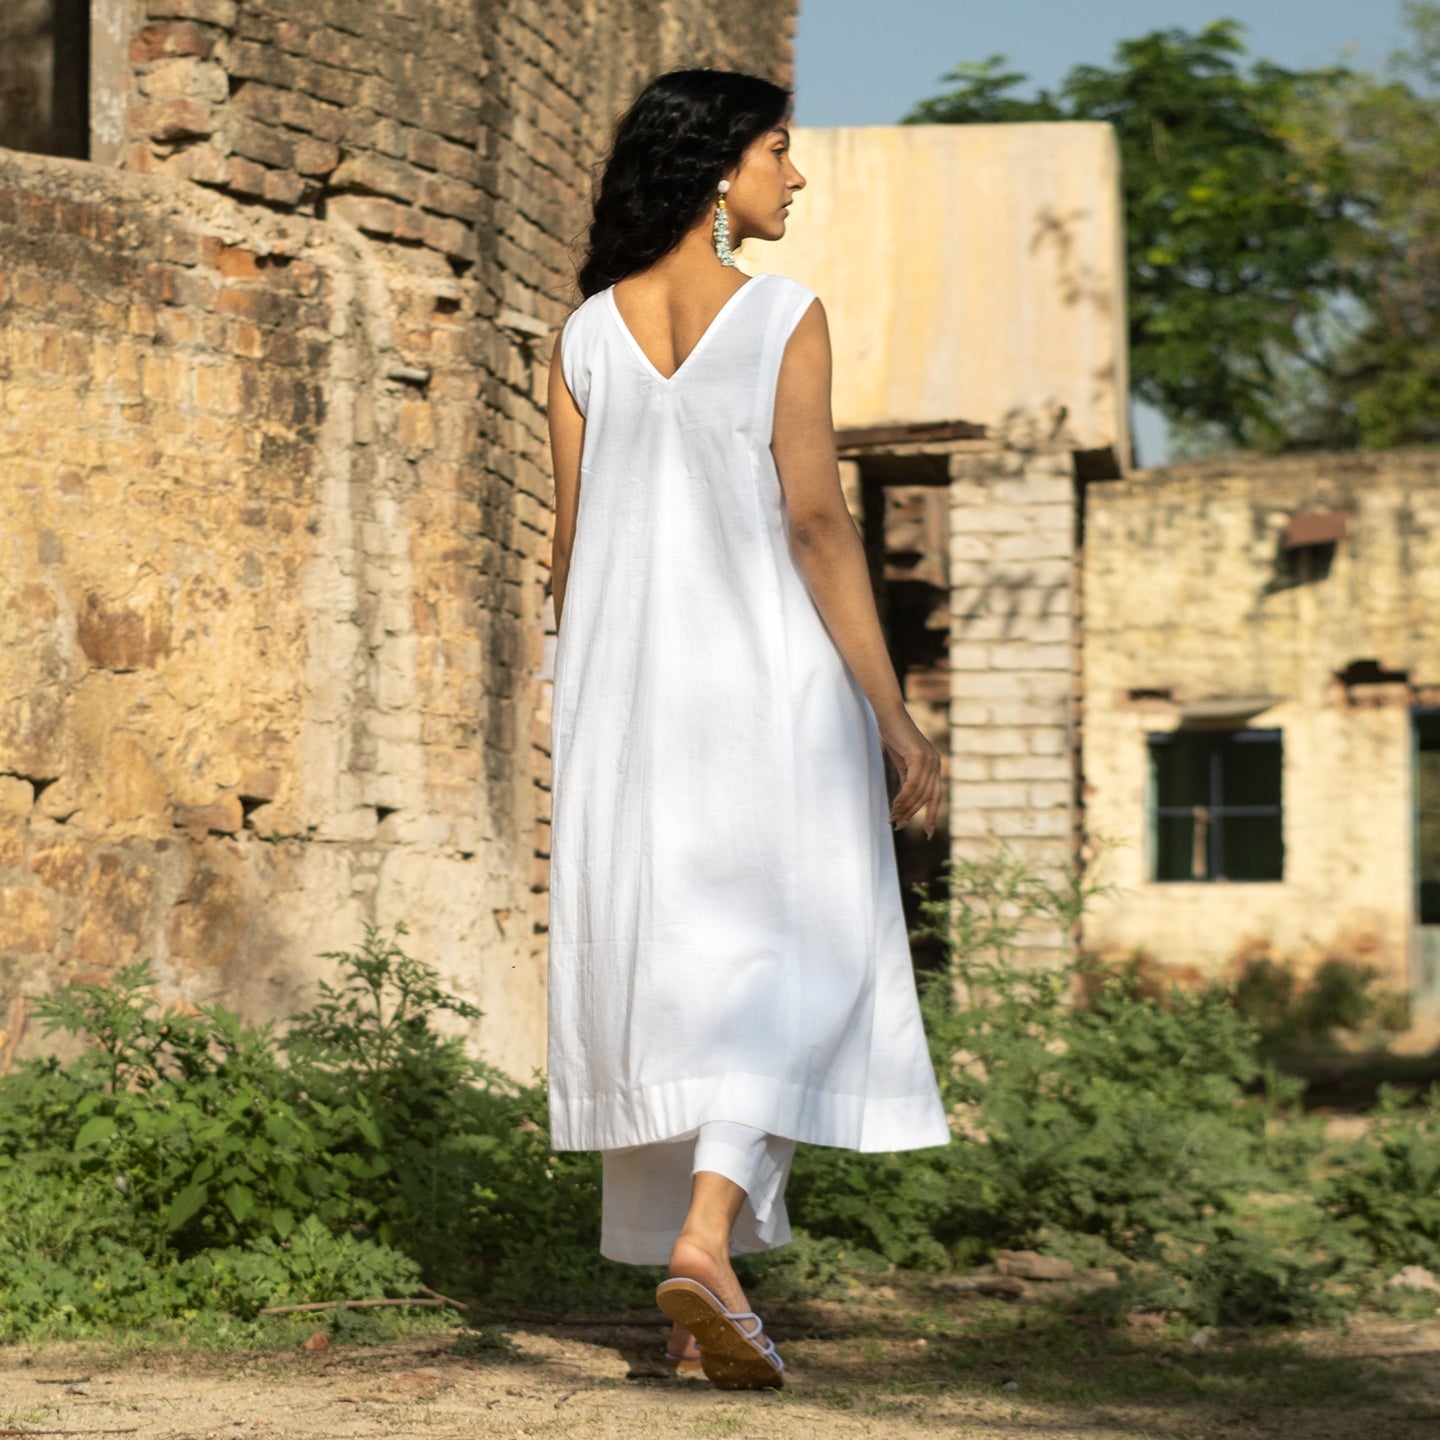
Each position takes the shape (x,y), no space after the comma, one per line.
(646,1190)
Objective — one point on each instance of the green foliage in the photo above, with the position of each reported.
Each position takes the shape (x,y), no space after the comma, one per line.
(1283,231)
(177,1173)
(1234,240)
(1388,1192)
(397,1099)
(1240,1276)
(1100,1117)
(534,1216)
(1120,1116)
(178,1168)
(810,1267)
(1374,374)
(1296,1019)
(189,1120)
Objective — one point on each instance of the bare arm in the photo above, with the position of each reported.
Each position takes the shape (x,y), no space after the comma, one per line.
(831,558)
(567,434)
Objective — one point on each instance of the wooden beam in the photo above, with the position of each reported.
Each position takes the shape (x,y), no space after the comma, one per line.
(920,433)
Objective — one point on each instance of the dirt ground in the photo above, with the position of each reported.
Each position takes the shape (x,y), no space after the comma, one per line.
(877,1368)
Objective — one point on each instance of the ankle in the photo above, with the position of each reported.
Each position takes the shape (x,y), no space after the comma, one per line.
(694,1244)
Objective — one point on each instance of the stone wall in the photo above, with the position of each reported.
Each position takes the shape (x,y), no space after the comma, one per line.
(1193,606)
(275,491)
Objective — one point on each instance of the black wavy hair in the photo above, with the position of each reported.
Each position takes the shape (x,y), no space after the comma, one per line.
(671,148)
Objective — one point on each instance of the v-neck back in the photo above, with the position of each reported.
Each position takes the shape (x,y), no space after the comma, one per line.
(716,321)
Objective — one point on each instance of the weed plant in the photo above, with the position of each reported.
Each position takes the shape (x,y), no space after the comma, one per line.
(1098,1117)
(187,1171)
(186,1166)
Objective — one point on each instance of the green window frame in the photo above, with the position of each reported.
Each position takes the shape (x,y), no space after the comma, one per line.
(1216,806)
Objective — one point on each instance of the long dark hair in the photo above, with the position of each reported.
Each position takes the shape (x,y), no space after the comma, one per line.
(683,131)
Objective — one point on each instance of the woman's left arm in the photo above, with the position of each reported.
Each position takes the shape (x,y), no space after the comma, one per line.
(567,435)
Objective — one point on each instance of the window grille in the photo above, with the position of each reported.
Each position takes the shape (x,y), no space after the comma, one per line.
(1215,806)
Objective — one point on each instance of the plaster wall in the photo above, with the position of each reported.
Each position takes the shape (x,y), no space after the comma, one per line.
(1190,599)
(969,272)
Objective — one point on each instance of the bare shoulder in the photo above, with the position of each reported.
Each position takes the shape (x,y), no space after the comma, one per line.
(810,337)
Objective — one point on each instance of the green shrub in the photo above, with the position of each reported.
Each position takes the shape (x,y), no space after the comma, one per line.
(1388,1191)
(1296,1019)
(310,1265)
(190,1118)
(185,1165)
(1238,1275)
(179,1165)
(1096,1114)
(534,1216)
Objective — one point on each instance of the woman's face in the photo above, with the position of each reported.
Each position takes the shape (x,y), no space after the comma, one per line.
(761,188)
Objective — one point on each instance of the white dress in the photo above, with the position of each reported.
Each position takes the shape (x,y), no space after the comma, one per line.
(726,934)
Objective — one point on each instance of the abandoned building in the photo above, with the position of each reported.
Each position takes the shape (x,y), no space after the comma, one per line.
(1216,685)
(1261,732)
(278,283)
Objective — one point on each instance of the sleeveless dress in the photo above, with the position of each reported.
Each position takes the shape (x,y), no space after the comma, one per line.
(727,941)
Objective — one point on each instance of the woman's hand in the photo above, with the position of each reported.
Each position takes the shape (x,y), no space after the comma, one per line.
(918,764)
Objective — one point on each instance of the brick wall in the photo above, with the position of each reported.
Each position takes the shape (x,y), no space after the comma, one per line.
(1013,657)
(276,495)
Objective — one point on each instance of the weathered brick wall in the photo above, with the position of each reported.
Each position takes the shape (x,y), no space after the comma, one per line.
(1190,599)
(275,491)
(1013,657)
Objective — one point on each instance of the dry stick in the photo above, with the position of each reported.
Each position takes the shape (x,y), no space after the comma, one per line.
(458,1304)
(434,1303)
(344,1305)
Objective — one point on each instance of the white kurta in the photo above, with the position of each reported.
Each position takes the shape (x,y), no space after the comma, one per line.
(726,933)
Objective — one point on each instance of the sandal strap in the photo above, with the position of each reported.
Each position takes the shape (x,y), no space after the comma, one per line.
(757,1336)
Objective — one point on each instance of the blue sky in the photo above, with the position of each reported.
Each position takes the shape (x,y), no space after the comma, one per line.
(866,62)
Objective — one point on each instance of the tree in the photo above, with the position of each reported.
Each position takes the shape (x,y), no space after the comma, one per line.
(1236,240)
(1373,375)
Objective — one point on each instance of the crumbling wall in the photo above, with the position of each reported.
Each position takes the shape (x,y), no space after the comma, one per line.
(275,494)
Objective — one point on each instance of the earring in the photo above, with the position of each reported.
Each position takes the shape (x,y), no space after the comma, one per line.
(723,253)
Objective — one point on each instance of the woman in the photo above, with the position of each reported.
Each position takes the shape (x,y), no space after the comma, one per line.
(729,967)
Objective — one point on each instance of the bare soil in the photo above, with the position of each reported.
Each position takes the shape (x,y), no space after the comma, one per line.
(883,1366)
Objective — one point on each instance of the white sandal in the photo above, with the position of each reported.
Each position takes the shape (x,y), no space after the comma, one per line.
(734,1355)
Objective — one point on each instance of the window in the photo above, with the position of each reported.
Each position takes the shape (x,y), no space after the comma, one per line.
(1427,814)
(45,76)
(1215,805)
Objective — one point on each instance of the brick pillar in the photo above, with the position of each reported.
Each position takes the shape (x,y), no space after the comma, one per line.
(1012,536)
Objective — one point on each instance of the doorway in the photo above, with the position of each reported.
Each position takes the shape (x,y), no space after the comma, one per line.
(1425,968)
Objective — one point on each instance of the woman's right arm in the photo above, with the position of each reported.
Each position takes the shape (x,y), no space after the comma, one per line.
(831,558)
(567,435)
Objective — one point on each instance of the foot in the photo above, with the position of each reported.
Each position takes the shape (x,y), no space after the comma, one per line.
(682,1344)
(697,1257)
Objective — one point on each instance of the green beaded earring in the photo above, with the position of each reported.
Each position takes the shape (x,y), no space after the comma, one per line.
(723,253)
